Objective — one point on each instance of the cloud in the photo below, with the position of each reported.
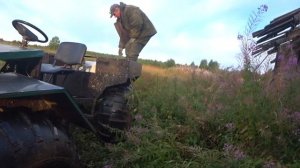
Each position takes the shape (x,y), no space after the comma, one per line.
(184,41)
(187,30)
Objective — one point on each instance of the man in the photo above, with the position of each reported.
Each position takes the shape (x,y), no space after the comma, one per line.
(134,28)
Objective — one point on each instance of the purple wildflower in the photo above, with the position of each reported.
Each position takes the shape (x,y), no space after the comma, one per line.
(269,164)
(263,8)
(234,152)
(240,37)
(138,117)
(230,127)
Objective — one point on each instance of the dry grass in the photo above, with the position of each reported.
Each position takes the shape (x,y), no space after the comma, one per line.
(181,72)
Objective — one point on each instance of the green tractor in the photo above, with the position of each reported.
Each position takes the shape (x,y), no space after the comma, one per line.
(42,94)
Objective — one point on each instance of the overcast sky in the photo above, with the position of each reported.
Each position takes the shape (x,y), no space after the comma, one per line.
(188,30)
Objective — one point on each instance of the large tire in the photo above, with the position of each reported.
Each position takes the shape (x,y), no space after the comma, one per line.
(112,114)
(31,140)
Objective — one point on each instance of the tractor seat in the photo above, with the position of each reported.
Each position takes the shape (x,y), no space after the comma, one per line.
(70,54)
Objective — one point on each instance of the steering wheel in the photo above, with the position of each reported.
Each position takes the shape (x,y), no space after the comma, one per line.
(26,33)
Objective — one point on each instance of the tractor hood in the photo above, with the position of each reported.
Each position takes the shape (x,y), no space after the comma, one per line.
(13,53)
(21,91)
(24,61)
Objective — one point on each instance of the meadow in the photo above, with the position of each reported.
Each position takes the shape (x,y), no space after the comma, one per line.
(191,118)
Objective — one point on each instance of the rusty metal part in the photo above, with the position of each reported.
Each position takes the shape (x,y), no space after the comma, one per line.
(34,104)
(109,72)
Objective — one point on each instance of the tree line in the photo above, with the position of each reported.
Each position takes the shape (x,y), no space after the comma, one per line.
(204,64)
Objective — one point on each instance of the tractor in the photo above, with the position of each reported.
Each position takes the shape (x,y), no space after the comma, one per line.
(42,94)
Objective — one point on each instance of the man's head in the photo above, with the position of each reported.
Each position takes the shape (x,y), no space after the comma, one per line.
(115,10)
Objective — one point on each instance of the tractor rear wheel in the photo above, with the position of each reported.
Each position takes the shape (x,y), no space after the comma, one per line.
(32,140)
(112,114)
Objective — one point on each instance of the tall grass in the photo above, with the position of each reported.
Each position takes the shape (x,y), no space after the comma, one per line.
(195,118)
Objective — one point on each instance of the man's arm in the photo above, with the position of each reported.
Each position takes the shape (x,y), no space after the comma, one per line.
(123,34)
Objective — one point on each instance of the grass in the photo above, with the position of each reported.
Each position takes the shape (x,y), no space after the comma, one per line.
(194,118)
(188,117)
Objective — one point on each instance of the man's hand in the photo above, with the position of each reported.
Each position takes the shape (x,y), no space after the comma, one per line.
(120,52)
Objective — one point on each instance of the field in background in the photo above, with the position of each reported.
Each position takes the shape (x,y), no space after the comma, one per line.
(188,117)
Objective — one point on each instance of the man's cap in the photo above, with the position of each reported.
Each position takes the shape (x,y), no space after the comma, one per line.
(112,9)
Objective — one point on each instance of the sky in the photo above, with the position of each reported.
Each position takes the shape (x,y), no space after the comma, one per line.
(187,30)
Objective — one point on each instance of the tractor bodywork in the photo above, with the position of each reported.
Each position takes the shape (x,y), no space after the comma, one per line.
(43,110)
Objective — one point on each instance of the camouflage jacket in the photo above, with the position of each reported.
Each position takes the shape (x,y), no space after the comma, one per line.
(133,23)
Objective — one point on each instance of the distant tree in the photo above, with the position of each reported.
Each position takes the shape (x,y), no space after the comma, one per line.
(170,63)
(15,42)
(203,64)
(213,65)
(192,64)
(54,43)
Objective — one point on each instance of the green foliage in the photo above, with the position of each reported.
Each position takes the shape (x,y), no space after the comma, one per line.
(213,65)
(170,63)
(54,43)
(193,64)
(203,64)
(203,122)
(167,64)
